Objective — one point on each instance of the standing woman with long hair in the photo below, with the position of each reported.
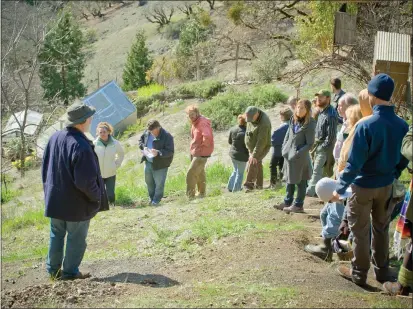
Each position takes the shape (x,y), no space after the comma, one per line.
(110,154)
(296,152)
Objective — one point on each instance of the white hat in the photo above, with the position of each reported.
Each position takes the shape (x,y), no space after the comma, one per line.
(325,188)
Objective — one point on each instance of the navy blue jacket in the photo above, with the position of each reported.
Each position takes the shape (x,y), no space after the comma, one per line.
(72,183)
(374,159)
(277,138)
(164,143)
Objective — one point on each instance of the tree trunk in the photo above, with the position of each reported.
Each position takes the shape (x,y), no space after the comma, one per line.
(65,99)
(198,70)
(236,62)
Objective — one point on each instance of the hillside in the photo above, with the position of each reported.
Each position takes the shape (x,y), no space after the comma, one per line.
(227,250)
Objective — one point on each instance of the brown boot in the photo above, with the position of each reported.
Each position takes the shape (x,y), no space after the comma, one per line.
(281,206)
(323,251)
(293,208)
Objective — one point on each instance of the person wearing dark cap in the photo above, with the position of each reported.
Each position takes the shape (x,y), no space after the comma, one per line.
(74,192)
(258,142)
(373,163)
(325,138)
(158,149)
(335,84)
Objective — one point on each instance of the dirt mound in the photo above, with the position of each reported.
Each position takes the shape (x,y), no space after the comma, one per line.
(59,294)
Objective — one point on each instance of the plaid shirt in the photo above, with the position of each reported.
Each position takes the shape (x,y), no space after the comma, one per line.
(326,129)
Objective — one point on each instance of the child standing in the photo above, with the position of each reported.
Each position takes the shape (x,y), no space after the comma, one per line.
(330,216)
(277,140)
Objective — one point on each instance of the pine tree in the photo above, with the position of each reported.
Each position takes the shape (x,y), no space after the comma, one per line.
(138,63)
(62,61)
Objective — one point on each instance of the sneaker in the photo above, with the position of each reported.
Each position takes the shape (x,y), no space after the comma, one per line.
(293,208)
(346,273)
(154,204)
(78,276)
(281,206)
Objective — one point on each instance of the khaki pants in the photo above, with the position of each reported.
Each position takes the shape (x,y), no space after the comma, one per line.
(328,169)
(195,177)
(363,203)
(255,176)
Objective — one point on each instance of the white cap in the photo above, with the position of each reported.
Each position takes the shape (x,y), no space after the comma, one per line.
(325,188)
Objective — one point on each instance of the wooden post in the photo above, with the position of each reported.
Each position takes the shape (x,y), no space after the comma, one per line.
(198,71)
(236,62)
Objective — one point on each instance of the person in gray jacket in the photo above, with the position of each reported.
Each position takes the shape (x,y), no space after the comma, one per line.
(239,154)
(296,152)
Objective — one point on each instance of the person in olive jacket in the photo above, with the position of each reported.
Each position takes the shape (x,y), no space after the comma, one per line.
(157,146)
(296,152)
(258,142)
(238,153)
(74,192)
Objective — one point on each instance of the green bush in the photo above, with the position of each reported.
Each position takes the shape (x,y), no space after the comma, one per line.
(150,90)
(268,65)
(224,108)
(91,36)
(204,89)
(172,31)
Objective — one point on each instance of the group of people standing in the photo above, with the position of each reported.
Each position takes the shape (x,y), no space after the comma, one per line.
(356,141)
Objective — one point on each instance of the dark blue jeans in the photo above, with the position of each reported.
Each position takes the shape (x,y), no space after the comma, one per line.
(75,246)
(155,182)
(110,183)
(299,200)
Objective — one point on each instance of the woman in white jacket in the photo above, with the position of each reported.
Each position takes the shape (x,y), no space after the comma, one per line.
(110,154)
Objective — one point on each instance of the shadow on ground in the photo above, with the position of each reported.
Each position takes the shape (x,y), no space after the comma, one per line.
(153,280)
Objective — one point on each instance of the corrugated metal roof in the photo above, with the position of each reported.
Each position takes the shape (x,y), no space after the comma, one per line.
(111,103)
(390,46)
(33,120)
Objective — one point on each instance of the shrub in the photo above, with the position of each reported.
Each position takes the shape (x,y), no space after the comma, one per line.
(172,31)
(204,89)
(91,36)
(268,65)
(163,70)
(150,90)
(235,12)
(29,162)
(222,109)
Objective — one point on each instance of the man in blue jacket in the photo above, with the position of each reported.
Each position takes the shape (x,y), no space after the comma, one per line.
(158,147)
(374,161)
(74,192)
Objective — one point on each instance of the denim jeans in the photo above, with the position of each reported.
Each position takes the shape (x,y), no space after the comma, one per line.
(235,180)
(330,217)
(110,188)
(299,200)
(155,182)
(320,158)
(75,246)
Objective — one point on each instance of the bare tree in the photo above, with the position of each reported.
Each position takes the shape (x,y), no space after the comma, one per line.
(187,8)
(19,65)
(158,15)
(210,2)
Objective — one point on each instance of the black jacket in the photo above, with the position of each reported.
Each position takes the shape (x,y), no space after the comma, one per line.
(236,139)
(164,143)
(72,183)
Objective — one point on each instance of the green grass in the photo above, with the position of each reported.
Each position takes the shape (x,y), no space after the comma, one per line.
(8,195)
(27,253)
(30,218)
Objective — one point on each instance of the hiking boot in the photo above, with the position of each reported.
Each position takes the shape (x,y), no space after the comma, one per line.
(78,276)
(323,251)
(248,190)
(395,288)
(281,206)
(346,273)
(270,186)
(293,208)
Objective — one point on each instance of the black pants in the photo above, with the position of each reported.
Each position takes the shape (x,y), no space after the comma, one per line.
(110,188)
(276,161)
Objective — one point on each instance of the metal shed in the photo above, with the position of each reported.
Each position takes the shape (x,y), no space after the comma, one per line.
(392,56)
(113,106)
(12,128)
